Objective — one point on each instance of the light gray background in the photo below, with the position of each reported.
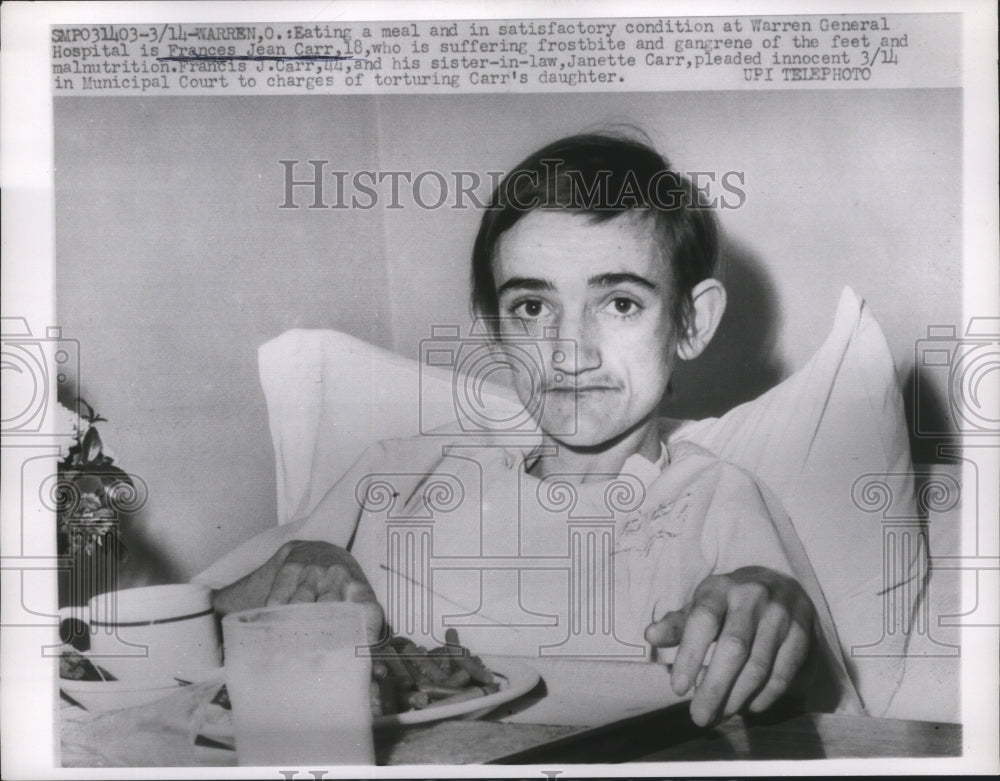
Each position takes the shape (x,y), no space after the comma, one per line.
(174,261)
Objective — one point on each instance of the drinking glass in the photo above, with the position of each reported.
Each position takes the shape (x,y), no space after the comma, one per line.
(298,679)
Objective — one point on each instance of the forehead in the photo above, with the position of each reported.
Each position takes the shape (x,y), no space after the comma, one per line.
(567,248)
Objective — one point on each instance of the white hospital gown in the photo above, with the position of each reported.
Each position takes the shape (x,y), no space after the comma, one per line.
(549,567)
(557,567)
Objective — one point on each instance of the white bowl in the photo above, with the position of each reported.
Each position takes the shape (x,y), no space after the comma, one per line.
(100,696)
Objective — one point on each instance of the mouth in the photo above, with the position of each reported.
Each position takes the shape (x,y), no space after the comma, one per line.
(571,390)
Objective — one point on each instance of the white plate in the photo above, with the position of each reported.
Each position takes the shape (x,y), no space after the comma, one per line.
(515,679)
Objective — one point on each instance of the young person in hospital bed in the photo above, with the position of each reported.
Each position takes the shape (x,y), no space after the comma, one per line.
(597,237)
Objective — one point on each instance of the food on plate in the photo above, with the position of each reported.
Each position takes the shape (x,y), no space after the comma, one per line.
(406,676)
(77,667)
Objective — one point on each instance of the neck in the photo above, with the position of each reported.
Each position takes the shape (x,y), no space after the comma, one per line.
(599,462)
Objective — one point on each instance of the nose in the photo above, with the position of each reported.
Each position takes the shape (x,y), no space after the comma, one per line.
(579,344)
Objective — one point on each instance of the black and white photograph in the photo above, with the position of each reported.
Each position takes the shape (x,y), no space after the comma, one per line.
(460,389)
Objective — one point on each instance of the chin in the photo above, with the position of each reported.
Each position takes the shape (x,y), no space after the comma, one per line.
(581,442)
(578,433)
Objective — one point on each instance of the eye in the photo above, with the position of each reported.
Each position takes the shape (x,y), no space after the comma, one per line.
(529,309)
(623,306)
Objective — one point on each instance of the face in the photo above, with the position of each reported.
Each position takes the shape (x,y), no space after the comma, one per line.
(607,289)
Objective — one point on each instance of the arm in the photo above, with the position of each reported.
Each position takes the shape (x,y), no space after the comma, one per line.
(762,623)
(761,604)
(303,560)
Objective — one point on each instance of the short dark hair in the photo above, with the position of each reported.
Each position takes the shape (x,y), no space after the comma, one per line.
(602,175)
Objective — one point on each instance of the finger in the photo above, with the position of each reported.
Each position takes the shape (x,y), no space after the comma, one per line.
(374,622)
(667,632)
(329,595)
(731,654)
(311,581)
(789,660)
(338,585)
(306,592)
(771,632)
(331,582)
(700,630)
(286,581)
(358,591)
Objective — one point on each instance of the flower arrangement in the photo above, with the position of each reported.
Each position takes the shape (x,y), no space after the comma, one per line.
(90,490)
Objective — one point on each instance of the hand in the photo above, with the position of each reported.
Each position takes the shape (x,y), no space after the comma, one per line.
(317,572)
(300,571)
(762,623)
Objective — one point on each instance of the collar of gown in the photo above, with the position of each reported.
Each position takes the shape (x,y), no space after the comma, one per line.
(636,465)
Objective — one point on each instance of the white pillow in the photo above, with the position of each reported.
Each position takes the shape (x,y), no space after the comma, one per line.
(822,440)
(831,441)
(330,396)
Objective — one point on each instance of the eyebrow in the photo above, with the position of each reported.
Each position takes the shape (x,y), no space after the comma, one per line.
(620,278)
(610,279)
(524,283)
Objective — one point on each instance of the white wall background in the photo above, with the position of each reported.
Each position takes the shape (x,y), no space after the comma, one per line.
(174,261)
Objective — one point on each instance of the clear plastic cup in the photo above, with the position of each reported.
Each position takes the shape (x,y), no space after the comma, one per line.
(298,679)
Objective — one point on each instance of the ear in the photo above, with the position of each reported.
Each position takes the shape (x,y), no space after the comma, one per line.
(708,303)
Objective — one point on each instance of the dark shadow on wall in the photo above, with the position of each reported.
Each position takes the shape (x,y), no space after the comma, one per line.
(145,563)
(932,426)
(142,561)
(741,362)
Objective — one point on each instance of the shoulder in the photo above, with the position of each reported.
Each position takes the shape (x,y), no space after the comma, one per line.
(418,446)
(426,452)
(696,462)
(723,490)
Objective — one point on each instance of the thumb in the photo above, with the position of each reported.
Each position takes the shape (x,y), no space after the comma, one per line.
(374,623)
(668,630)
